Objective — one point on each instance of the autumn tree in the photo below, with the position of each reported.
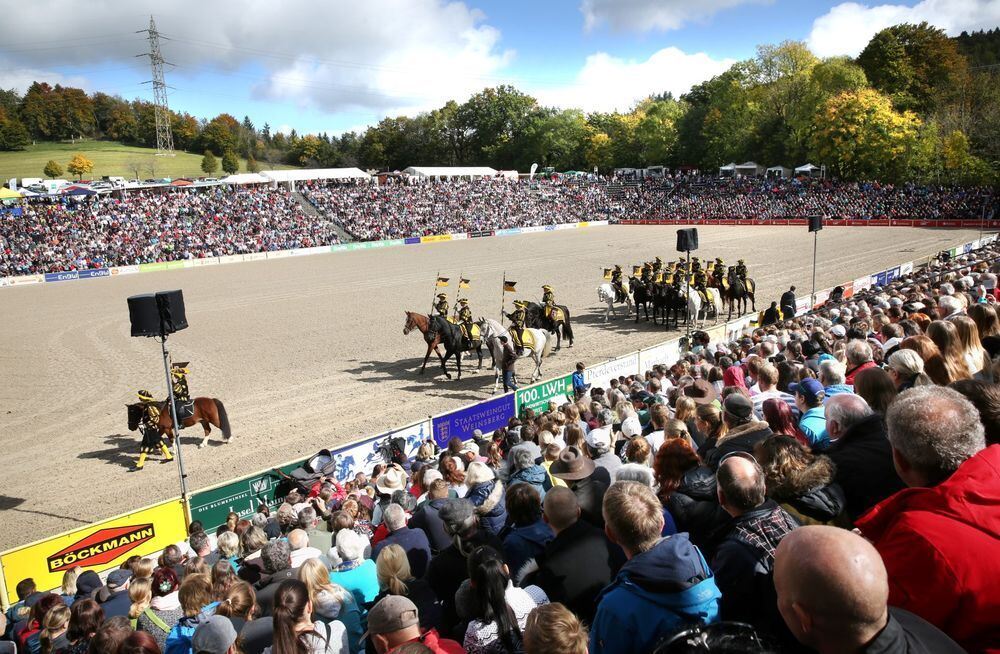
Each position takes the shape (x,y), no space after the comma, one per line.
(209,164)
(252,165)
(52,169)
(80,165)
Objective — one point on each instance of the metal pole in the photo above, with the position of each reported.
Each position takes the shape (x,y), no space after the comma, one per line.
(687,299)
(812,300)
(503,296)
(173,416)
(434,294)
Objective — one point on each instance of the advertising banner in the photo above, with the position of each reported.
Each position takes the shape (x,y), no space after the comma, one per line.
(481,234)
(241,496)
(197,263)
(97,272)
(507,232)
(280,254)
(458,237)
(537,397)
(665,353)
(255,256)
(154,267)
(175,265)
(62,276)
(891,274)
(734,329)
(231,258)
(411,240)
(487,416)
(716,334)
(25,279)
(363,456)
(602,373)
(881,278)
(437,238)
(906,268)
(862,283)
(97,547)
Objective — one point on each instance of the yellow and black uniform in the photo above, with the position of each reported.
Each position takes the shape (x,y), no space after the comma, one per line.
(517,318)
(741,271)
(464,312)
(465,322)
(616,283)
(719,273)
(647,274)
(548,299)
(182,396)
(442,305)
(152,441)
(695,265)
(657,265)
(700,279)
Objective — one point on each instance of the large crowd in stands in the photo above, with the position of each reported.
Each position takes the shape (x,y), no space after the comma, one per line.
(827,483)
(153,226)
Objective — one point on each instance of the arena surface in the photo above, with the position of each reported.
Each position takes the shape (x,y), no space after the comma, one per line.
(308,352)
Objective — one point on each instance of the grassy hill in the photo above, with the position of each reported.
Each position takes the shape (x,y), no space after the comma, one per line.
(109,158)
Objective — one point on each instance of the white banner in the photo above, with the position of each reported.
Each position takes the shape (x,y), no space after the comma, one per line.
(231,258)
(734,329)
(256,256)
(459,237)
(197,263)
(362,457)
(864,283)
(905,269)
(280,254)
(665,353)
(124,270)
(602,373)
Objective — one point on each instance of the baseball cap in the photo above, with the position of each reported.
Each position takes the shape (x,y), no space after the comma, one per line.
(213,636)
(738,406)
(839,331)
(599,438)
(393,613)
(631,426)
(808,388)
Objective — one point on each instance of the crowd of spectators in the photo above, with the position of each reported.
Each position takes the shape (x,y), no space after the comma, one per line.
(827,483)
(152,226)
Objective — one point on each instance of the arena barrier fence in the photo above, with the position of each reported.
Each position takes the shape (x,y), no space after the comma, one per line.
(828,222)
(114,271)
(148,530)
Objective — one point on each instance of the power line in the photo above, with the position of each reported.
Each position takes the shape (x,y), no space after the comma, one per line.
(164,137)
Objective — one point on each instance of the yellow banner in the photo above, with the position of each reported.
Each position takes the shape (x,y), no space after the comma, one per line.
(96,547)
(436,238)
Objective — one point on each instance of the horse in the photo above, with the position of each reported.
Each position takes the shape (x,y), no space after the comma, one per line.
(642,296)
(699,309)
(207,411)
(493,330)
(668,301)
(737,293)
(535,317)
(439,331)
(606,293)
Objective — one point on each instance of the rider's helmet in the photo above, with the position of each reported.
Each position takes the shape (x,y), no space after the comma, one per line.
(739,261)
(546,287)
(145,396)
(442,296)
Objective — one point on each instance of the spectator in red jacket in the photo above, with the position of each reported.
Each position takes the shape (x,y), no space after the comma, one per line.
(940,537)
(859,357)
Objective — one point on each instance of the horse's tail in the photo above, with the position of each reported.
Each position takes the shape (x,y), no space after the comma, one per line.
(567,329)
(223,419)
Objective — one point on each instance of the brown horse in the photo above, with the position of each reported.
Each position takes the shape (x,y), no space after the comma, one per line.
(207,411)
(438,331)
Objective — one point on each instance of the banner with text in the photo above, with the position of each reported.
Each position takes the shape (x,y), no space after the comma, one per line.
(537,397)
(664,353)
(602,373)
(486,416)
(96,547)
(241,496)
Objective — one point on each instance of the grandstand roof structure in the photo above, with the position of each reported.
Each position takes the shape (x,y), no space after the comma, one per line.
(447,172)
(314,173)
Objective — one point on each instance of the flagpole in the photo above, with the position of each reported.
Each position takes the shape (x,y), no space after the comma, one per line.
(503,296)
(434,293)
(458,291)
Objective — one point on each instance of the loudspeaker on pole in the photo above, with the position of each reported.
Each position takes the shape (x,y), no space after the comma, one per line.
(815,223)
(687,239)
(157,314)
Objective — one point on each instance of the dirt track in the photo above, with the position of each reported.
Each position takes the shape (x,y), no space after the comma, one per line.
(308,352)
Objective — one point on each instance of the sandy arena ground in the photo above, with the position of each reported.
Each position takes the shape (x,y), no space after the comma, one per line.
(309,352)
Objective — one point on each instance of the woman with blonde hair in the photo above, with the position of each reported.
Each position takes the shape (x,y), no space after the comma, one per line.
(54,625)
(906,369)
(140,591)
(970,344)
(395,578)
(986,319)
(709,422)
(332,602)
(143,569)
(945,336)
(229,548)
(68,588)
(677,429)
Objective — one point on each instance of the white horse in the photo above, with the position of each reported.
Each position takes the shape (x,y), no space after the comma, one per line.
(493,330)
(606,293)
(699,311)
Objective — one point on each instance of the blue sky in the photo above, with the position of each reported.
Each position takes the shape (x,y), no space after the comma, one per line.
(334,65)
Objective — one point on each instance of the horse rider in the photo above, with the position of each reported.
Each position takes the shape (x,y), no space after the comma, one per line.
(647,274)
(695,265)
(517,318)
(700,279)
(465,319)
(442,305)
(718,272)
(616,283)
(548,299)
(657,265)
(182,396)
(741,271)
(152,441)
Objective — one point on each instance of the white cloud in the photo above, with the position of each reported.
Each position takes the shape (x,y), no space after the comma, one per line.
(20,78)
(380,55)
(646,15)
(847,27)
(607,83)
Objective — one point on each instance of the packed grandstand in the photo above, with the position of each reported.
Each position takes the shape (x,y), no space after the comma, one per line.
(707,501)
(54,234)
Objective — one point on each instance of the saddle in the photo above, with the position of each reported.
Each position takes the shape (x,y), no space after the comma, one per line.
(184,410)
(473,334)
(522,339)
(707,297)
(555,314)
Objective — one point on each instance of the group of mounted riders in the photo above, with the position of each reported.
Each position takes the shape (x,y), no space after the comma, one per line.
(654,275)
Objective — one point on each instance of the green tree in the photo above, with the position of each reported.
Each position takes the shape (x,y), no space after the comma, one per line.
(230,162)
(656,131)
(918,66)
(598,152)
(861,137)
(13,135)
(209,164)
(80,165)
(52,169)
(492,122)
(220,134)
(252,165)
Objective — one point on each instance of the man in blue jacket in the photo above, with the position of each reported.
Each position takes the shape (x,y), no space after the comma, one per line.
(665,586)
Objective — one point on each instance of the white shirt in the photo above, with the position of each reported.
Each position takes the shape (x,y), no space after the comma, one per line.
(655,440)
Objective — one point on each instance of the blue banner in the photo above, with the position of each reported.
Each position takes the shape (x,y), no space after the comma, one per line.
(487,416)
(61,276)
(97,272)
(507,232)
(881,278)
(891,274)
(411,240)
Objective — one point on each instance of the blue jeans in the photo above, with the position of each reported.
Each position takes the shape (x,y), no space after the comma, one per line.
(508,381)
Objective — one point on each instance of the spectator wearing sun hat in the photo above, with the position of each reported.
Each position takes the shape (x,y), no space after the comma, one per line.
(578,471)
(743,430)
(390,481)
(809,395)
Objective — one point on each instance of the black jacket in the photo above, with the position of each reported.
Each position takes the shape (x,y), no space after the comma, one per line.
(787,300)
(576,565)
(864,466)
(811,495)
(419,592)
(906,633)
(590,494)
(428,518)
(741,438)
(695,507)
(449,568)
(268,586)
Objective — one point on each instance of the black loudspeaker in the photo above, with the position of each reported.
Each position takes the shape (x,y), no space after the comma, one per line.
(156,315)
(687,239)
(815,223)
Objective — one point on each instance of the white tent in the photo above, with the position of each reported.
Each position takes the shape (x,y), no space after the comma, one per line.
(750,169)
(808,169)
(728,170)
(306,174)
(245,178)
(779,171)
(447,172)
